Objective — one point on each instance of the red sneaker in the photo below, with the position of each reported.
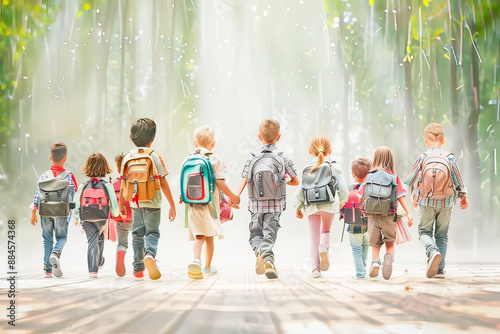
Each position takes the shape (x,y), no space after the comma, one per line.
(139,275)
(120,263)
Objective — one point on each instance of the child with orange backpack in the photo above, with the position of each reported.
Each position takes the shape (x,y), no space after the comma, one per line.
(440,184)
(94,201)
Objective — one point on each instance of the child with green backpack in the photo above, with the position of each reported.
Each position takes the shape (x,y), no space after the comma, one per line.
(202,179)
(381,192)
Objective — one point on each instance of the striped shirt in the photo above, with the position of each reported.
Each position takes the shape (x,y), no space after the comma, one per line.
(269,206)
(459,189)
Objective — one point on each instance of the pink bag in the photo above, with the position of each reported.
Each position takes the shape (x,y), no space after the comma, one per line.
(226,211)
(402,232)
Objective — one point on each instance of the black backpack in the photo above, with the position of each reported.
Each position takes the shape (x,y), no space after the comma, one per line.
(54,197)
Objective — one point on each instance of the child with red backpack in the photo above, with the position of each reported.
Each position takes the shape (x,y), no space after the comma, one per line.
(356,223)
(440,184)
(95,199)
(202,176)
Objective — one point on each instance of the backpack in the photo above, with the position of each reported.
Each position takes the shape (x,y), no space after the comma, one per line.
(198,182)
(435,180)
(379,194)
(116,187)
(140,179)
(352,212)
(320,185)
(54,196)
(226,211)
(266,176)
(94,201)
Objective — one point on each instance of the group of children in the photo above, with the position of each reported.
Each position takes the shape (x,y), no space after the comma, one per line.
(369,206)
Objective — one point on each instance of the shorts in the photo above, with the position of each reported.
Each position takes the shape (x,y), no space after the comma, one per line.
(381,229)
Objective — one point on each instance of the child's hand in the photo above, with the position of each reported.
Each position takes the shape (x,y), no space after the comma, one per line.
(76,222)
(171,214)
(410,220)
(341,205)
(464,203)
(299,214)
(123,212)
(34,219)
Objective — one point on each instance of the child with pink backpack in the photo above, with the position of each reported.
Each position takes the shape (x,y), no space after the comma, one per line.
(95,199)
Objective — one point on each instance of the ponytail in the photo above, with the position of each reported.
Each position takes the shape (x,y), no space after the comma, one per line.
(321,159)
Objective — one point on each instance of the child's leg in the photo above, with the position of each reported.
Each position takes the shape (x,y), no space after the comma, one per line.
(100,226)
(426,229)
(389,248)
(197,246)
(375,252)
(441,234)
(122,232)
(270,224)
(326,225)
(365,245)
(256,234)
(209,251)
(138,232)
(48,241)
(61,228)
(357,253)
(314,228)
(375,235)
(152,219)
(92,233)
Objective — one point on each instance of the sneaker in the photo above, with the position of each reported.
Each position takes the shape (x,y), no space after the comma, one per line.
(324,262)
(259,264)
(316,273)
(93,274)
(374,268)
(150,264)
(433,264)
(387,266)
(101,263)
(54,261)
(209,271)
(440,274)
(194,270)
(270,269)
(120,263)
(48,275)
(139,276)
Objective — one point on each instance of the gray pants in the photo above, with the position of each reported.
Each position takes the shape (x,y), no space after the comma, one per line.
(263,232)
(122,232)
(95,240)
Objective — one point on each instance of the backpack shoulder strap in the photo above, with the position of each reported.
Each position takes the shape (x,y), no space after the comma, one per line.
(64,174)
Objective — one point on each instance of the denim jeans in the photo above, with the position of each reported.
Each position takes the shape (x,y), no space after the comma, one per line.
(122,232)
(263,232)
(95,241)
(433,230)
(359,246)
(59,226)
(145,235)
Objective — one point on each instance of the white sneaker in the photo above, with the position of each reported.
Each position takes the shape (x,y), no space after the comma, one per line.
(374,268)
(194,270)
(54,261)
(209,271)
(324,262)
(316,273)
(93,275)
(433,264)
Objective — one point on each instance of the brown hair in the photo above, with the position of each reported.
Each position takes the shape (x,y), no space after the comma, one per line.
(143,131)
(434,132)
(118,160)
(383,159)
(96,166)
(204,135)
(269,129)
(361,167)
(58,151)
(320,146)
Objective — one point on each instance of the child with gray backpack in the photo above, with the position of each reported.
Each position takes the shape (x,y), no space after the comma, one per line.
(266,172)
(322,180)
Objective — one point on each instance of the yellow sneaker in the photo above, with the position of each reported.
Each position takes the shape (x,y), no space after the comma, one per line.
(194,270)
(150,264)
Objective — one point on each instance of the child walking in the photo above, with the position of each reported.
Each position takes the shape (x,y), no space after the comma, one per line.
(54,208)
(202,225)
(440,184)
(358,234)
(94,200)
(381,225)
(323,172)
(143,181)
(266,172)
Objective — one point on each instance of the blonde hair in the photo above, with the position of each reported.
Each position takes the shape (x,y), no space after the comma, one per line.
(204,135)
(320,146)
(383,159)
(434,132)
(96,166)
(361,167)
(269,129)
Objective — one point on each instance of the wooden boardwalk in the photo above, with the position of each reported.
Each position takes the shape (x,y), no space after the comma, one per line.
(238,301)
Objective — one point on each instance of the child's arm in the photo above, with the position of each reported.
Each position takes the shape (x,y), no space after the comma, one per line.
(299,214)
(294,181)
(115,210)
(34,219)
(235,199)
(402,201)
(166,191)
(241,186)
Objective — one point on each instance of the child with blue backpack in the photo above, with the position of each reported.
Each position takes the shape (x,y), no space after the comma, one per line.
(95,198)
(321,192)
(202,170)
(381,192)
(53,200)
